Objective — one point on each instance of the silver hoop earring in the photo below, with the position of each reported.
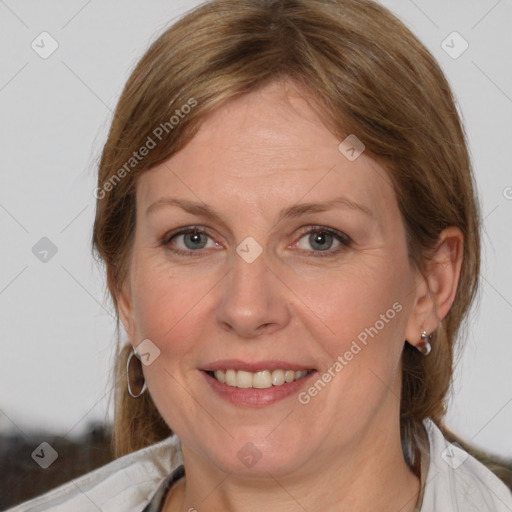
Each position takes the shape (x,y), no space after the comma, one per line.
(130,392)
(424,345)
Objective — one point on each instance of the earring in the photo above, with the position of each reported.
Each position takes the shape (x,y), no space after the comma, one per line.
(424,345)
(140,375)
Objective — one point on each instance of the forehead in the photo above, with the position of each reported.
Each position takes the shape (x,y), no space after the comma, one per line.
(267,149)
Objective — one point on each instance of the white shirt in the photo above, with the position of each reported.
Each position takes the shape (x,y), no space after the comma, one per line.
(455,482)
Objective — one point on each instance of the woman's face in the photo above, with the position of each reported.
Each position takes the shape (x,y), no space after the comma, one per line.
(299,262)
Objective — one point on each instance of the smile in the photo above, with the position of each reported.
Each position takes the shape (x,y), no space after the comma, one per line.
(259,380)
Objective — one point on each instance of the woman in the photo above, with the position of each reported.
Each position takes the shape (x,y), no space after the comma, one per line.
(288,222)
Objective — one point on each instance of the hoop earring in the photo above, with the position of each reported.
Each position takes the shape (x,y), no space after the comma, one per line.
(130,392)
(424,345)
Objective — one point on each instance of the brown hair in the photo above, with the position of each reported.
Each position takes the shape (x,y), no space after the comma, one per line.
(369,76)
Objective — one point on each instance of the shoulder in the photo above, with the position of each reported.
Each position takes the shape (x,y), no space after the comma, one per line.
(457,481)
(127,483)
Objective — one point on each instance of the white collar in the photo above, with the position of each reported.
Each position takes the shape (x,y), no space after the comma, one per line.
(455,482)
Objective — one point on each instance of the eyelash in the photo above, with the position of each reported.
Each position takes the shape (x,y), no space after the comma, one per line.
(344,240)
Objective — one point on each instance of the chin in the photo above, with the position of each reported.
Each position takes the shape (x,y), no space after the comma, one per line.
(251,455)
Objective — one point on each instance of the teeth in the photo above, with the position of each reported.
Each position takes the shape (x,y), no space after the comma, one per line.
(278,377)
(243,379)
(259,380)
(230,378)
(220,376)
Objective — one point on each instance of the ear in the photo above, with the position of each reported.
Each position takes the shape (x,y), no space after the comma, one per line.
(435,291)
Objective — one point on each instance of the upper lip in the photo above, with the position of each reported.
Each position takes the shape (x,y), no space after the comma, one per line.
(253,366)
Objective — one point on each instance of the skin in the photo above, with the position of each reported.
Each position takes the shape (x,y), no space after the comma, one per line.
(251,158)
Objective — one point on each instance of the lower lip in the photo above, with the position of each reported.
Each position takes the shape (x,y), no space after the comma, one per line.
(253,397)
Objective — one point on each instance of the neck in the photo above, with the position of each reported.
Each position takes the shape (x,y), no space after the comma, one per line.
(370,475)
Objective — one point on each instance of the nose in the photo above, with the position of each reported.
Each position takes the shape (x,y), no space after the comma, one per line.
(254,299)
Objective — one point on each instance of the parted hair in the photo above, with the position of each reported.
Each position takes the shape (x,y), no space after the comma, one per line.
(368,75)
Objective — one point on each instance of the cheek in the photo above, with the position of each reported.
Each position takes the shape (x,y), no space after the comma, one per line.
(165,303)
(166,306)
(363,312)
(336,305)
(355,302)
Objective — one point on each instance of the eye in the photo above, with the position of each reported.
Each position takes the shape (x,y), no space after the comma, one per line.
(191,240)
(188,240)
(322,239)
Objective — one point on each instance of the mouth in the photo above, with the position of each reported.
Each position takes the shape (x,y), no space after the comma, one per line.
(262,379)
(256,383)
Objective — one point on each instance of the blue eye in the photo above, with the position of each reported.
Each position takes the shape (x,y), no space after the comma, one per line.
(321,239)
(192,241)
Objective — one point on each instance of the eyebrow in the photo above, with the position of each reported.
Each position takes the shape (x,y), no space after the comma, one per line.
(296,210)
